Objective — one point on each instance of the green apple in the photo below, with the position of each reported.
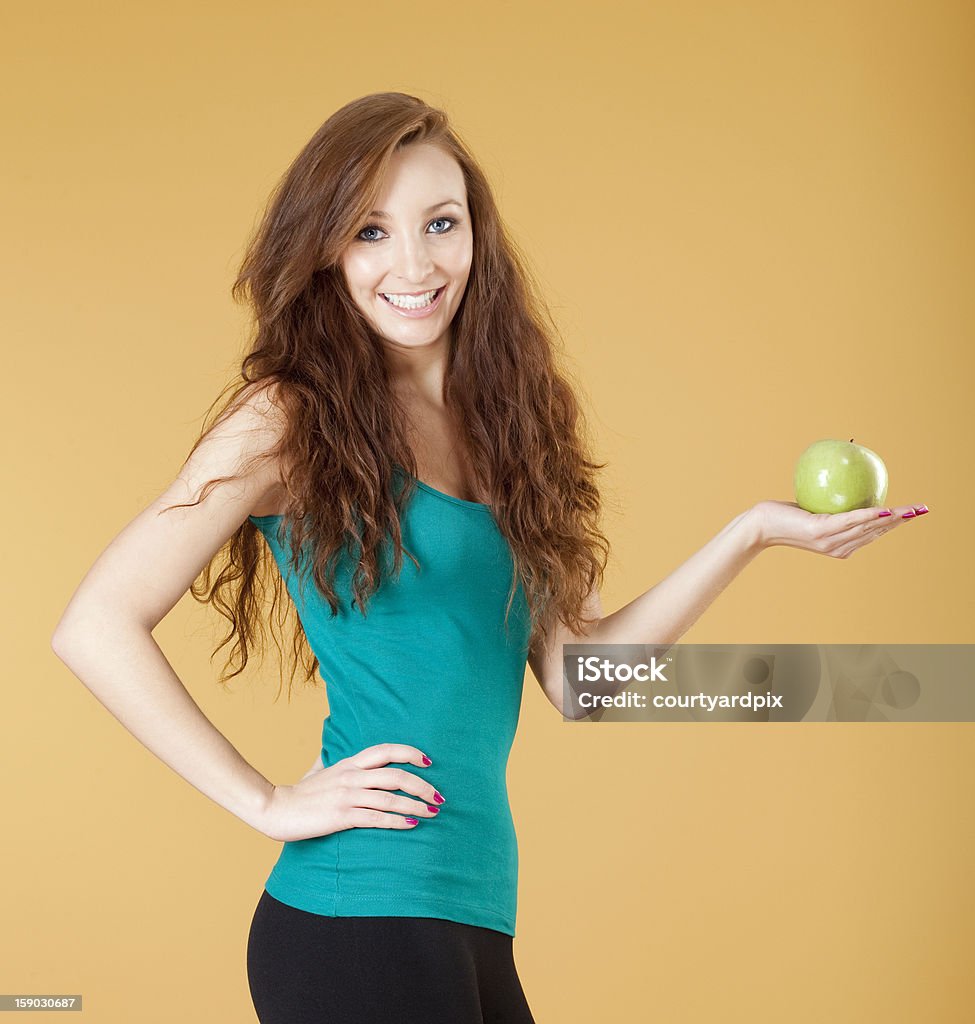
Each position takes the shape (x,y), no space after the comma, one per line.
(838,476)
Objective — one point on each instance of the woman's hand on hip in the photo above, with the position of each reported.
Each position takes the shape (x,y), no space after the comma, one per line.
(355,792)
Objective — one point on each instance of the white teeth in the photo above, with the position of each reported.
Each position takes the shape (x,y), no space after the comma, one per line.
(410,301)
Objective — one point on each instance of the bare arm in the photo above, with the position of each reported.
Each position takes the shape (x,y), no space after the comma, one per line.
(105,633)
(664,613)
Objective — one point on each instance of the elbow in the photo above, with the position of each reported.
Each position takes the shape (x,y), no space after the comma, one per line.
(59,638)
(93,625)
(63,641)
(76,624)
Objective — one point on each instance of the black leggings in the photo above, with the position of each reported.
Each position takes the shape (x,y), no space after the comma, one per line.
(306,968)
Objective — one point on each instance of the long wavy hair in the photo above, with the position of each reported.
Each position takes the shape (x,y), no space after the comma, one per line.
(322,364)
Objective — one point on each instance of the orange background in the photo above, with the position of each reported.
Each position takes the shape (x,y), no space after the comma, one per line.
(754,223)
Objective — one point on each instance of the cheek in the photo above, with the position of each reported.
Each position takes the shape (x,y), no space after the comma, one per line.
(460,261)
(359,272)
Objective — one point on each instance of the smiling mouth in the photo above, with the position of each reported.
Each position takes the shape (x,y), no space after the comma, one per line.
(410,306)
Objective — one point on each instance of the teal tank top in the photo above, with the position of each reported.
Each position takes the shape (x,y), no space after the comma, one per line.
(430,665)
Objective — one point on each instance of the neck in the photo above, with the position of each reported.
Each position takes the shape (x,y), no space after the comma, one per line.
(418,373)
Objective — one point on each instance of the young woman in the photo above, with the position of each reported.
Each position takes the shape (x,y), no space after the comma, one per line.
(403,446)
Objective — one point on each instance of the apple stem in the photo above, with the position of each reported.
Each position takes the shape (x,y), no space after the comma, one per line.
(851,440)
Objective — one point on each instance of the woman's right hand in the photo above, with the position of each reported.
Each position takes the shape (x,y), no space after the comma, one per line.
(353,793)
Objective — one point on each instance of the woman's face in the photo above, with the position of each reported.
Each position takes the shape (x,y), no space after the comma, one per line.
(417,241)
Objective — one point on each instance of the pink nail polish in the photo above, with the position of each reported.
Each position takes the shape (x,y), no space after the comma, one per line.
(909,515)
(922,510)
(436,810)
(412,821)
(884,513)
(426,760)
(437,797)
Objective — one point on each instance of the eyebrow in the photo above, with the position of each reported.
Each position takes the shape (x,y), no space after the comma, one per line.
(429,209)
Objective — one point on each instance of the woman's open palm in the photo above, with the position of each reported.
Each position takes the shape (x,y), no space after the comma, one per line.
(837,534)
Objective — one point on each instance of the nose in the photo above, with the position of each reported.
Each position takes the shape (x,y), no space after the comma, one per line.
(412,262)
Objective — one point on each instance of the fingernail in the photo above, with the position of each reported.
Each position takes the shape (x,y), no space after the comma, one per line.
(426,760)
(412,821)
(922,510)
(884,513)
(436,810)
(437,797)
(909,515)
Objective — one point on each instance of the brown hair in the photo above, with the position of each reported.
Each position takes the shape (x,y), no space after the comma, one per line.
(323,364)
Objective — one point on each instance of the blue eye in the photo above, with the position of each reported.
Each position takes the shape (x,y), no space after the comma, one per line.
(373,227)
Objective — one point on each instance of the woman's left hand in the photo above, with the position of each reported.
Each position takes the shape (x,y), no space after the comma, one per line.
(837,534)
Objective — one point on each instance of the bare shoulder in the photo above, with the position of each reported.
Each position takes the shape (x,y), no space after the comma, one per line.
(231,473)
(243,443)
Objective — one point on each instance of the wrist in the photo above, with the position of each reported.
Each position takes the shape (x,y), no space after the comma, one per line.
(258,807)
(753,527)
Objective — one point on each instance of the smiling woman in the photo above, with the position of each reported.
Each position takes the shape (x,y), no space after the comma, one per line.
(400,398)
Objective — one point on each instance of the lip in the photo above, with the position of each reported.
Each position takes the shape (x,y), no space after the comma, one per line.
(416,314)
